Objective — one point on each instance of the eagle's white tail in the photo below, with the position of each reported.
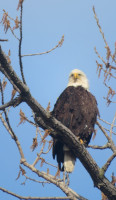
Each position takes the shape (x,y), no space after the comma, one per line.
(69,160)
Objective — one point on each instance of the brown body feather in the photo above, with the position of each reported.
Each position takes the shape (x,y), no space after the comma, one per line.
(77,109)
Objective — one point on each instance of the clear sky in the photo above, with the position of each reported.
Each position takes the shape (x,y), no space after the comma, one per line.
(44,23)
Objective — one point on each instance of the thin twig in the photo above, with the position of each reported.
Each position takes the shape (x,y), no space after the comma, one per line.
(20,45)
(11,133)
(107,164)
(99,56)
(100,29)
(104,70)
(106,146)
(105,121)
(109,131)
(112,125)
(6,116)
(113,147)
(58,45)
(68,191)
(31,198)
(14,102)
(102,129)
(34,180)
(14,34)
(38,155)
(3,40)
(5,125)
(8,77)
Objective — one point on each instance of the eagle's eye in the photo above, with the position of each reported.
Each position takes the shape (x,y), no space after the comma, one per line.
(80,74)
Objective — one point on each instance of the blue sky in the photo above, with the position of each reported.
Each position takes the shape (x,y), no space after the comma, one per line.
(44,23)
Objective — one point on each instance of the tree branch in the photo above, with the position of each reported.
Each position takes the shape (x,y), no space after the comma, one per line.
(112,145)
(107,164)
(46,121)
(20,45)
(106,146)
(38,54)
(3,40)
(32,198)
(14,102)
(68,191)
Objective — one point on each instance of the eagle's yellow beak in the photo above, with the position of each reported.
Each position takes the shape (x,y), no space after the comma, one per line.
(75,75)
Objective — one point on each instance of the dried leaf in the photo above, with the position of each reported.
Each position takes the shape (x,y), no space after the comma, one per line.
(4,83)
(5,21)
(48,107)
(108,102)
(8,59)
(17,22)
(22,170)
(99,68)
(47,132)
(35,144)
(111,92)
(94,134)
(42,161)
(50,144)
(22,117)
(108,54)
(18,175)
(13,93)
(48,171)
(19,4)
(57,173)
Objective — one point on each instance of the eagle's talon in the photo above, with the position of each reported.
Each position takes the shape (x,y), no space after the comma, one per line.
(81,141)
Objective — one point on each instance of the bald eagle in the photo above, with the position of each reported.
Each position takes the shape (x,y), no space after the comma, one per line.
(77,109)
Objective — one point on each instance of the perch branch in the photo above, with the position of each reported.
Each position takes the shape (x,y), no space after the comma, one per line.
(57,129)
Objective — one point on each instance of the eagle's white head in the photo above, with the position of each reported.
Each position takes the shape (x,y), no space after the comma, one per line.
(78,78)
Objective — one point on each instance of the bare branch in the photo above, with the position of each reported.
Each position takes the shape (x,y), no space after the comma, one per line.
(112,125)
(108,138)
(107,164)
(100,29)
(20,45)
(58,45)
(6,116)
(13,136)
(69,192)
(106,146)
(105,121)
(20,3)
(31,179)
(3,40)
(32,198)
(15,102)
